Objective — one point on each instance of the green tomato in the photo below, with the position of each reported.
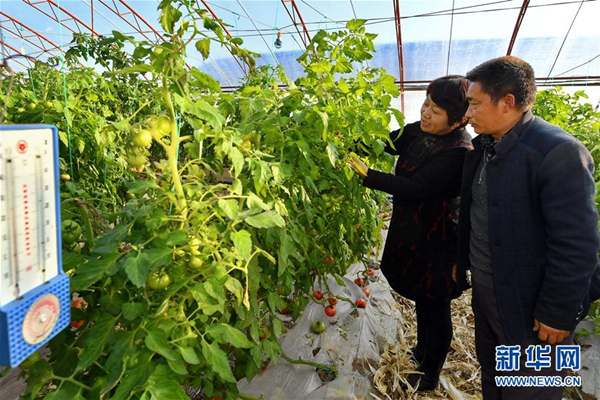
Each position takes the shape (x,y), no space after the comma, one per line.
(318,327)
(143,138)
(21,110)
(136,161)
(30,361)
(195,263)
(130,196)
(31,106)
(65,177)
(283,291)
(71,231)
(47,104)
(164,124)
(158,281)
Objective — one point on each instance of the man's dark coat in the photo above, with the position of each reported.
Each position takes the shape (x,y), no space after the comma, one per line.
(543,226)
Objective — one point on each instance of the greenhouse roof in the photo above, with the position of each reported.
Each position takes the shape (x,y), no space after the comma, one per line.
(417,40)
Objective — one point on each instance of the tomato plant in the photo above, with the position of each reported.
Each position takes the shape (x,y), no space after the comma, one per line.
(193,246)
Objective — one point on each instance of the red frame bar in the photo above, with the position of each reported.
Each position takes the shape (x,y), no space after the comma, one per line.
(53,6)
(400,50)
(8,54)
(304,35)
(520,18)
(35,34)
(242,66)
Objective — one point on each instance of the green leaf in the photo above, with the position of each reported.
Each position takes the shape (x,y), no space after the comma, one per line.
(163,386)
(354,24)
(399,116)
(202,110)
(343,86)
(92,271)
(159,257)
(325,122)
(332,153)
(133,310)
(218,361)
(204,81)
(225,333)
(157,342)
(237,159)
(321,67)
(95,340)
(229,207)
(235,287)
(142,68)
(177,238)
(142,186)
(339,280)
(137,268)
(255,202)
(267,219)
(203,46)
(242,241)
(169,16)
(189,355)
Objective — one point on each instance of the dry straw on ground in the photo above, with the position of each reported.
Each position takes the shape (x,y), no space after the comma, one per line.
(460,379)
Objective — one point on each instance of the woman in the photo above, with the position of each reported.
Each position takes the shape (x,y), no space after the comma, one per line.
(419,257)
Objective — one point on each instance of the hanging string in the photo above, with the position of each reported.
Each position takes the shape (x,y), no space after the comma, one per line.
(275,30)
(450,42)
(64,79)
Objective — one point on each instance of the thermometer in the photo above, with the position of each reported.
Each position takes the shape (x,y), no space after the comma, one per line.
(34,291)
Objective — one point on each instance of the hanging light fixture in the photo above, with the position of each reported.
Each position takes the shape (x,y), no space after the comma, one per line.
(278,42)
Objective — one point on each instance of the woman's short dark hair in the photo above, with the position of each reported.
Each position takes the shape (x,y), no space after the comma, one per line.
(450,94)
(506,75)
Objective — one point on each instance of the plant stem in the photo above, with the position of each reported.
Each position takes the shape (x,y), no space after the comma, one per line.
(311,363)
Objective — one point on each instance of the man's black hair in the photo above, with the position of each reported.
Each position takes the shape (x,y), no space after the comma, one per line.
(506,75)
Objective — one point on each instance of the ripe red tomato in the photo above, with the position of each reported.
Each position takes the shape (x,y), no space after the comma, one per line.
(360,303)
(329,260)
(360,282)
(318,294)
(263,332)
(79,303)
(332,300)
(357,227)
(330,311)
(367,292)
(370,272)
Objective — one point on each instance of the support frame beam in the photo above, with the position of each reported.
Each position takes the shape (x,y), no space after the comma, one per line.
(520,18)
(294,12)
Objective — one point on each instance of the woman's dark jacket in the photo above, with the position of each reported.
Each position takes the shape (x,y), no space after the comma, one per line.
(421,246)
(543,226)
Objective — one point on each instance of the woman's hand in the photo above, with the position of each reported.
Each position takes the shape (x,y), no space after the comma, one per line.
(358,166)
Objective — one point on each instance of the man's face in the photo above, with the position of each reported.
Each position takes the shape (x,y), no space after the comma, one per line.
(485,117)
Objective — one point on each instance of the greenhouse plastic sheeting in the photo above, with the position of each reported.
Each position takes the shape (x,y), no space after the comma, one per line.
(590,360)
(352,342)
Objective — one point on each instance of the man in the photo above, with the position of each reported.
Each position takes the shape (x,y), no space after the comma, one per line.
(528,226)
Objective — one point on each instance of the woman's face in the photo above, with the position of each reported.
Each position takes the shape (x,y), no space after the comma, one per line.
(434,119)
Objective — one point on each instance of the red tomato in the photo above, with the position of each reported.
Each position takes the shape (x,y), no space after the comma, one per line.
(360,303)
(367,292)
(318,294)
(79,303)
(360,282)
(332,300)
(370,272)
(330,311)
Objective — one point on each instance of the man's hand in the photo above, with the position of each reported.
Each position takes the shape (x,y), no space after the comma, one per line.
(358,166)
(548,334)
